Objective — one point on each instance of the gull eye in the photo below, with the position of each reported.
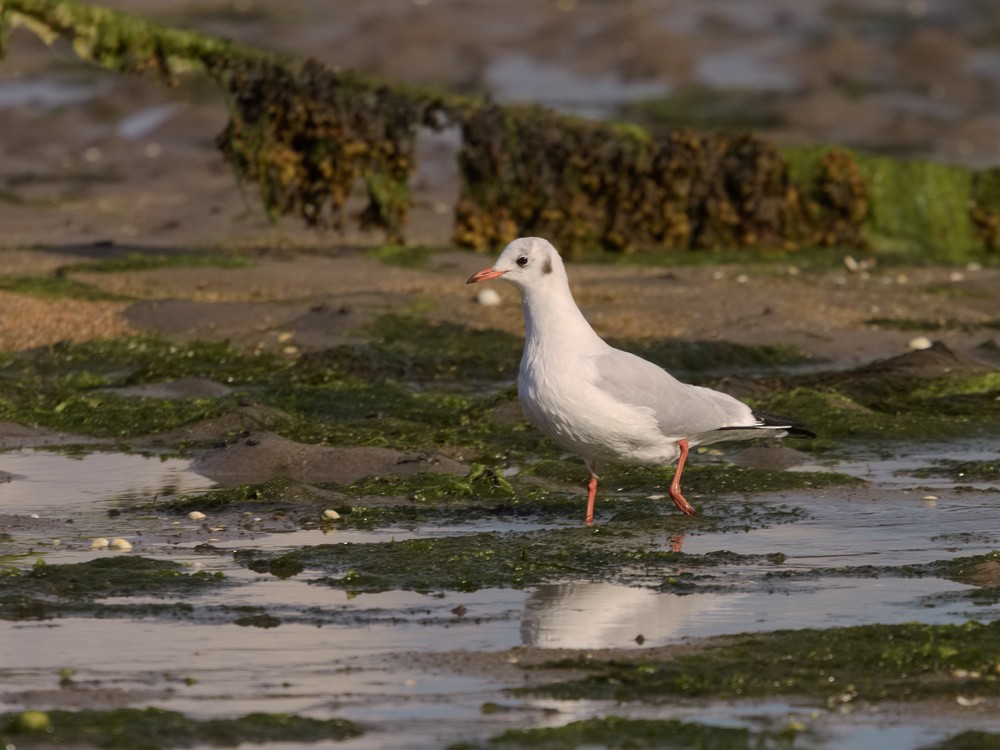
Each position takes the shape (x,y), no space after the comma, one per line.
(522,261)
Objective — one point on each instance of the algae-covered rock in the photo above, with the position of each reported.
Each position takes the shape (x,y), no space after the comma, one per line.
(864,663)
(311,136)
(159,729)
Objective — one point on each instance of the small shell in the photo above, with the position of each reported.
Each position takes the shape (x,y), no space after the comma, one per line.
(920,342)
(331,515)
(197,515)
(99,543)
(122,545)
(963,701)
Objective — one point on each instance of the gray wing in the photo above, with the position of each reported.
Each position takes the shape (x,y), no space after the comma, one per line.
(681,409)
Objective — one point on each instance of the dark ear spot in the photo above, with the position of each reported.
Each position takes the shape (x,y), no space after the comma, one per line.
(547,266)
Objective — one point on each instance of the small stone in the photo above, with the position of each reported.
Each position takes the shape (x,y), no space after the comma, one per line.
(920,342)
(488,297)
(99,543)
(197,515)
(122,545)
(331,515)
(930,498)
(33,721)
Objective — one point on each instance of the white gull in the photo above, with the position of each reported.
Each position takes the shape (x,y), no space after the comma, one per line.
(602,403)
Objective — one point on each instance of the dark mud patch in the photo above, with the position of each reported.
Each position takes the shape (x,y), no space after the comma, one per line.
(264,456)
(934,362)
(239,422)
(158,729)
(834,665)
(239,322)
(277,496)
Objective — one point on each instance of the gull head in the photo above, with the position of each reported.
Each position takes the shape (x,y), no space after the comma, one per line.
(527,262)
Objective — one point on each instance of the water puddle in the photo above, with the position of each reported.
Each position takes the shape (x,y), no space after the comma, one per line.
(60,484)
(328,652)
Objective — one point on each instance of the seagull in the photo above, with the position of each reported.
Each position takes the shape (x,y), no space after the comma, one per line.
(602,403)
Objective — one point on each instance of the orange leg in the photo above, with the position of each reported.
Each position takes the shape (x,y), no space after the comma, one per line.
(591,493)
(675,485)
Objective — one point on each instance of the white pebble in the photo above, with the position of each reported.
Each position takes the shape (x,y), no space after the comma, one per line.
(331,515)
(488,297)
(920,342)
(930,498)
(122,545)
(99,543)
(197,515)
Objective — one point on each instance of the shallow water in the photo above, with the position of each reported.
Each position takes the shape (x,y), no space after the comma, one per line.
(355,666)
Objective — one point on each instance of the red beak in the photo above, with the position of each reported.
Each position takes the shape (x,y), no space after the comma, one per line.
(485,275)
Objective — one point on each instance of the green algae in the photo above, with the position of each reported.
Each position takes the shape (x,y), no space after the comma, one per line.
(63,387)
(409,348)
(404,256)
(968,740)
(863,663)
(921,209)
(50,590)
(494,560)
(56,287)
(276,496)
(974,471)
(159,729)
(136,261)
(618,732)
(891,407)
(107,414)
(132,360)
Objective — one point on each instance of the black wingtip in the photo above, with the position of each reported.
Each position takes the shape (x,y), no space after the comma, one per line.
(794,429)
(800,432)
